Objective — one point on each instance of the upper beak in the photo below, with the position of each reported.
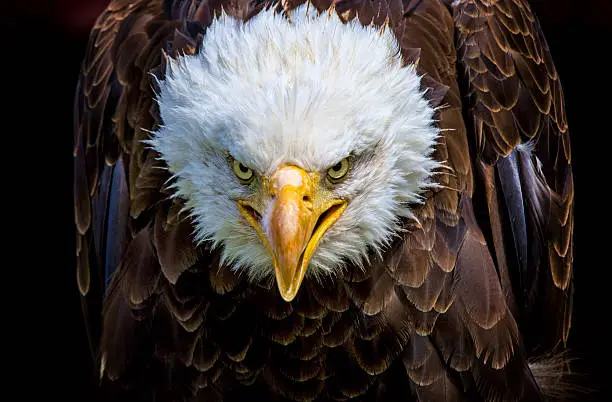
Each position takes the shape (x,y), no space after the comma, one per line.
(293,225)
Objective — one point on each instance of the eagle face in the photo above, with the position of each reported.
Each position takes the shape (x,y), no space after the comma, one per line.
(297,142)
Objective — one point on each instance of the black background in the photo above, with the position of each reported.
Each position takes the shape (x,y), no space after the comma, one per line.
(43,43)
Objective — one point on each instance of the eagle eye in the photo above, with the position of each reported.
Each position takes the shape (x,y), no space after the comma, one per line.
(338,171)
(244,173)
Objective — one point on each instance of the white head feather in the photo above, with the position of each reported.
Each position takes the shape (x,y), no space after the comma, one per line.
(308,92)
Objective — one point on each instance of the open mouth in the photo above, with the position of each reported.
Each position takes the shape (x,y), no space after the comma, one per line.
(248,210)
(325,220)
(292,235)
(320,227)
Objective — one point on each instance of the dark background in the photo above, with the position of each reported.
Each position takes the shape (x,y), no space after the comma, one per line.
(43,43)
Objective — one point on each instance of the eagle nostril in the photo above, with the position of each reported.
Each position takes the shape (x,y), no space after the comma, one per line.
(307,202)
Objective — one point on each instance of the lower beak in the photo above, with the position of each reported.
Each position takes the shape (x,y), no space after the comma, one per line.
(294,225)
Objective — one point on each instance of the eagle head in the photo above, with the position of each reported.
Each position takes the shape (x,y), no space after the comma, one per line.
(298,143)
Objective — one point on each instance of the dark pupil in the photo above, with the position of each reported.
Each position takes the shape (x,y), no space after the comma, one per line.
(337,166)
(243,168)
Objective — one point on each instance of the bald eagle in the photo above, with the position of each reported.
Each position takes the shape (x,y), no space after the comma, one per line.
(365,200)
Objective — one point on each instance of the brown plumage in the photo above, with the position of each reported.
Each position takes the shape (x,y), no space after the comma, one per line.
(454,308)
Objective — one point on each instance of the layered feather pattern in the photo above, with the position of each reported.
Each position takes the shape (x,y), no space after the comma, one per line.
(450,310)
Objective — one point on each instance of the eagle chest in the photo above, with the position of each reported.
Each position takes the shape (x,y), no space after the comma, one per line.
(248,341)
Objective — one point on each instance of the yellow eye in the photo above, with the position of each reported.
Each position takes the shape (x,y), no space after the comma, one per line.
(338,171)
(245,174)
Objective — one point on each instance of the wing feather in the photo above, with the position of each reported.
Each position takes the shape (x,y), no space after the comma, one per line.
(526,142)
(112,103)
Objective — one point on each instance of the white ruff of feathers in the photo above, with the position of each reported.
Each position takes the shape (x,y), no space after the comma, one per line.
(308,92)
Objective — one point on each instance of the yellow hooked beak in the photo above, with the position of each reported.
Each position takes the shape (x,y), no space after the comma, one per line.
(293,225)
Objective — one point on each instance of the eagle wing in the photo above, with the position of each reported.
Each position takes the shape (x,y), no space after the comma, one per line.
(483,279)
(487,270)
(118,187)
(132,241)
(103,130)
(517,113)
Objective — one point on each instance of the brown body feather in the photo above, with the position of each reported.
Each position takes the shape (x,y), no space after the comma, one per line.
(451,312)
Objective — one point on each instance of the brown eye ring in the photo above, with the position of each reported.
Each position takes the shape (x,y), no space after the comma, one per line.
(337,172)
